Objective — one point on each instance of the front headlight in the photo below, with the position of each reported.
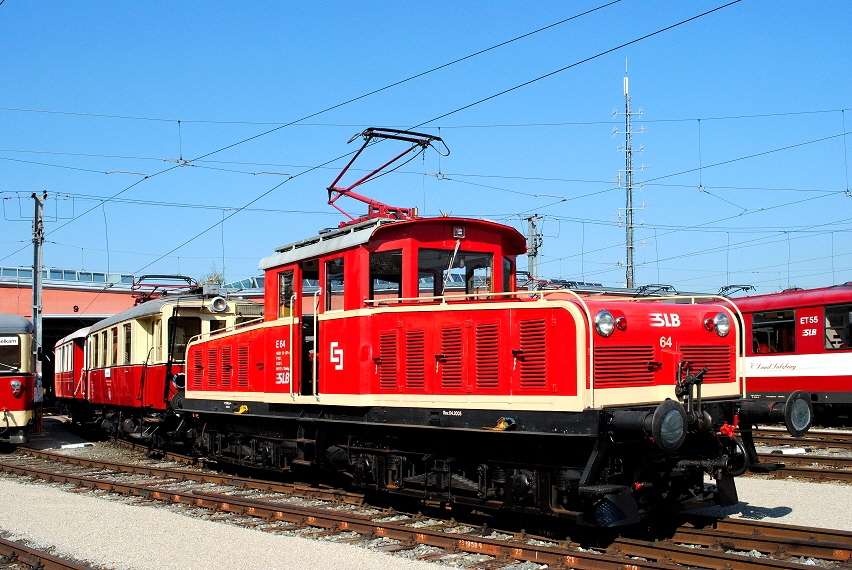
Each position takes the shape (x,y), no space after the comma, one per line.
(722,324)
(604,323)
(16,387)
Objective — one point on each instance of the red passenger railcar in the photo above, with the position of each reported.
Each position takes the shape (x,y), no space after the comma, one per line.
(122,372)
(16,379)
(801,339)
(369,365)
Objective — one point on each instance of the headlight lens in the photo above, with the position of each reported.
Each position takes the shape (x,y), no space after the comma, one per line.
(722,324)
(16,386)
(604,323)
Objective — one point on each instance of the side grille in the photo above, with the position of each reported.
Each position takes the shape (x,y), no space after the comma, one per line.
(451,349)
(226,367)
(197,368)
(717,359)
(415,360)
(212,368)
(243,366)
(487,356)
(533,356)
(623,364)
(387,360)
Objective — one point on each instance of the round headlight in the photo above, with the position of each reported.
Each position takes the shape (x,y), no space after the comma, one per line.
(722,324)
(16,386)
(604,323)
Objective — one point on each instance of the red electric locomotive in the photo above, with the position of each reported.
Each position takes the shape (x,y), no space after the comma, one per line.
(369,366)
(16,379)
(801,339)
(121,373)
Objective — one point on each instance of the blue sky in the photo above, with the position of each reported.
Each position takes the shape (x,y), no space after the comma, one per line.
(760,75)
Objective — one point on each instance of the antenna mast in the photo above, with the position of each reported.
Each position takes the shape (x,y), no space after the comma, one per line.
(627,181)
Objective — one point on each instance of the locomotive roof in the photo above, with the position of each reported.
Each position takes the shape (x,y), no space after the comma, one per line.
(358,234)
(79,333)
(797,298)
(146,309)
(14,324)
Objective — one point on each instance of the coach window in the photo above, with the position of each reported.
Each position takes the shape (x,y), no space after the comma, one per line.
(127,339)
(285,293)
(114,360)
(838,327)
(334,284)
(386,274)
(774,332)
(157,329)
(102,361)
(93,351)
(453,272)
(181,329)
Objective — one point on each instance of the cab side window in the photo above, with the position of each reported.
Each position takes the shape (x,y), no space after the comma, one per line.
(386,274)
(773,332)
(285,293)
(838,326)
(334,284)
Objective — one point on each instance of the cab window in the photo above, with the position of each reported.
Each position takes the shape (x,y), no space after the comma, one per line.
(773,332)
(451,272)
(334,284)
(838,327)
(10,354)
(285,293)
(386,274)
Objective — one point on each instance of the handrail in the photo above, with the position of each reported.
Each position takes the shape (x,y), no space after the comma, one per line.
(316,344)
(235,326)
(292,329)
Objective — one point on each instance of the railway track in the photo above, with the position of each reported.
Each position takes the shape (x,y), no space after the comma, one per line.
(343,517)
(14,554)
(822,439)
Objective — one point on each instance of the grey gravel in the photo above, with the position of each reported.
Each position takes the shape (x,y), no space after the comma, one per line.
(121,536)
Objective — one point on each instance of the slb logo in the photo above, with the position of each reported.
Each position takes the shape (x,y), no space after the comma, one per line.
(335,355)
(665,320)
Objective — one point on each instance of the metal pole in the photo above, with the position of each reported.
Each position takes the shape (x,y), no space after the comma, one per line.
(38,242)
(628,172)
(534,240)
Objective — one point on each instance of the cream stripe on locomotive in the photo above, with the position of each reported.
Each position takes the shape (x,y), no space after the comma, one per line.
(609,397)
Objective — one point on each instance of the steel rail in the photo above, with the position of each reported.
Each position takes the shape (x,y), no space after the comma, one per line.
(302,491)
(839,440)
(16,553)
(518,548)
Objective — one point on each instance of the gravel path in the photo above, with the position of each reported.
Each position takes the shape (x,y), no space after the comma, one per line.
(122,536)
(794,502)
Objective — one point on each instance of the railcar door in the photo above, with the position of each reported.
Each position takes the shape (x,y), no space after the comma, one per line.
(306,342)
